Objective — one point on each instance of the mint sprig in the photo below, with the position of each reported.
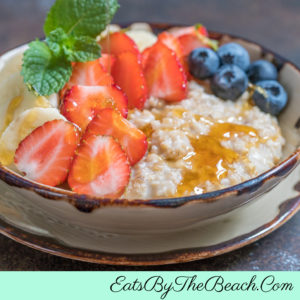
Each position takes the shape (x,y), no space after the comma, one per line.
(70,28)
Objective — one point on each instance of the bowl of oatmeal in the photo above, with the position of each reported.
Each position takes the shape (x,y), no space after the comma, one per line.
(204,156)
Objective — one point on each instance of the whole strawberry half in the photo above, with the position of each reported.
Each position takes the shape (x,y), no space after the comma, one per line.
(100,168)
(164,73)
(82,103)
(191,37)
(128,74)
(110,122)
(46,154)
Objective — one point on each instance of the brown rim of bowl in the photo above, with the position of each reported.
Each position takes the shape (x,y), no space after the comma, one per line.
(86,203)
(287,210)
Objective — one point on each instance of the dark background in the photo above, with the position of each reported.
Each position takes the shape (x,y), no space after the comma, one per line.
(273,23)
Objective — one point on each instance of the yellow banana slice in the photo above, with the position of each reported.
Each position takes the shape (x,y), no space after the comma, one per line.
(22,126)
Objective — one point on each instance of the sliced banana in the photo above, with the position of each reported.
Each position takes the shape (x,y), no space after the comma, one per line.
(10,88)
(15,99)
(22,126)
(11,62)
(143,39)
(140,26)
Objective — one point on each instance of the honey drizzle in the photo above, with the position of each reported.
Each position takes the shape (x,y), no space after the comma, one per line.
(210,161)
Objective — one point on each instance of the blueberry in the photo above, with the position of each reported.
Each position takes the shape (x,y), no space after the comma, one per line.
(272,99)
(203,63)
(262,70)
(230,82)
(234,54)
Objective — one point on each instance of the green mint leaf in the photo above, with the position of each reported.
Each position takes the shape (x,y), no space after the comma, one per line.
(80,17)
(76,49)
(56,39)
(43,71)
(82,49)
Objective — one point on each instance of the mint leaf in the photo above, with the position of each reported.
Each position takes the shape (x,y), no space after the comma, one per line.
(71,27)
(80,17)
(76,49)
(82,49)
(44,72)
(56,39)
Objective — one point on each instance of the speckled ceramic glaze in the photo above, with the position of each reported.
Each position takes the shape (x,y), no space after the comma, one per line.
(155,226)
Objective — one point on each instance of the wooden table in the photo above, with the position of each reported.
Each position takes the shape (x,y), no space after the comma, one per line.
(273,23)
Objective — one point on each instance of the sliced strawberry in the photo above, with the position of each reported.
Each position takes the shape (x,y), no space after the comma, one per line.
(88,73)
(46,154)
(171,42)
(191,37)
(164,74)
(100,169)
(179,31)
(128,74)
(145,56)
(110,122)
(118,42)
(107,61)
(189,42)
(82,103)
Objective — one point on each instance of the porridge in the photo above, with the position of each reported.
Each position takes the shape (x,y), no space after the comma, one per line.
(202,144)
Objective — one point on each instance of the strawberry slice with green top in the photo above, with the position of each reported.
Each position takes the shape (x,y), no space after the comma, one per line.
(82,103)
(118,42)
(90,73)
(110,122)
(179,31)
(128,74)
(192,37)
(164,74)
(46,154)
(100,168)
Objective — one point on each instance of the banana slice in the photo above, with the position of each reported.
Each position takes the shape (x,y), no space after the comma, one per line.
(140,26)
(22,126)
(11,62)
(15,98)
(10,88)
(143,39)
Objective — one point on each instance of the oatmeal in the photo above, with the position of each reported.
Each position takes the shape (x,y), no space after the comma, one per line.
(202,144)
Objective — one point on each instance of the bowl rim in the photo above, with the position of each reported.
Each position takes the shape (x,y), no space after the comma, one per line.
(87,203)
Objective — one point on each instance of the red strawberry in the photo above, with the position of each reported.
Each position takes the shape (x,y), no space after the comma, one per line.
(145,56)
(118,42)
(100,169)
(110,122)
(164,74)
(46,154)
(190,37)
(82,103)
(171,42)
(107,61)
(88,73)
(128,74)
(189,42)
(179,31)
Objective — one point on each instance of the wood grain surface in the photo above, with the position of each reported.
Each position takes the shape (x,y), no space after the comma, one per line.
(273,23)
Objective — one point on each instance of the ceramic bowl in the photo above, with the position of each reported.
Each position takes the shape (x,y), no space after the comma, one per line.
(79,220)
